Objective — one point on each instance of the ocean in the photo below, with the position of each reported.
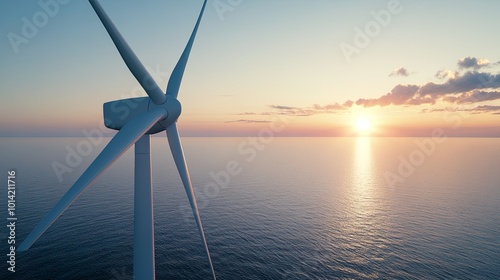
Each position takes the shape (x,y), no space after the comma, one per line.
(298,208)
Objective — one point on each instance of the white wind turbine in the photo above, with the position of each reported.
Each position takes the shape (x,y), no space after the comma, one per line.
(149,115)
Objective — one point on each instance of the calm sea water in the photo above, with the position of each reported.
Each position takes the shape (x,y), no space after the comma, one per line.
(303,208)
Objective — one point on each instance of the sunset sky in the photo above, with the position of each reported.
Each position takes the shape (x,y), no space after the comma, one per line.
(403,68)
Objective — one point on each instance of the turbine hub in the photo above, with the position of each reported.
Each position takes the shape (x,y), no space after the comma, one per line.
(173,108)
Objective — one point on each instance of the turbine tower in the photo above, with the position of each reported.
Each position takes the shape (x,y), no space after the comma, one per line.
(156,113)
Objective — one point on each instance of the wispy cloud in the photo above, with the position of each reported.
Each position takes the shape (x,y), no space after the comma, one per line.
(293,111)
(478,109)
(315,109)
(473,97)
(247,114)
(401,71)
(488,109)
(248,121)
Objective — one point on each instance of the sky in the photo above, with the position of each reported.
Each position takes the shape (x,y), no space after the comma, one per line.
(327,68)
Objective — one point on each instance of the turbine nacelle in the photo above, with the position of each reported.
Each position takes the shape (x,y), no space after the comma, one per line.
(117,113)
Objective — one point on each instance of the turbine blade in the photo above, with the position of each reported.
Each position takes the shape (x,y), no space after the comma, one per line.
(127,136)
(175,80)
(178,155)
(133,63)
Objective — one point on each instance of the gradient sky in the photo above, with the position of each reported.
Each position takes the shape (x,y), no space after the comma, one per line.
(435,64)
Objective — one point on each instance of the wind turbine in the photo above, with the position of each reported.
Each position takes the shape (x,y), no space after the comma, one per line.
(149,115)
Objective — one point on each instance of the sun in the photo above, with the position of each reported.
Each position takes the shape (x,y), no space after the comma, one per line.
(363,125)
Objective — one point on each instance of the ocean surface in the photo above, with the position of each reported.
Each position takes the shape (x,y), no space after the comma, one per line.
(299,208)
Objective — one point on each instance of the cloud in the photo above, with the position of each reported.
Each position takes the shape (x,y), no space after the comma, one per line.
(446,74)
(248,121)
(280,107)
(470,80)
(401,71)
(469,87)
(399,95)
(472,62)
(465,87)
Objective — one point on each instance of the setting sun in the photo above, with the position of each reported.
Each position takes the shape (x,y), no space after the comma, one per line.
(363,125)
